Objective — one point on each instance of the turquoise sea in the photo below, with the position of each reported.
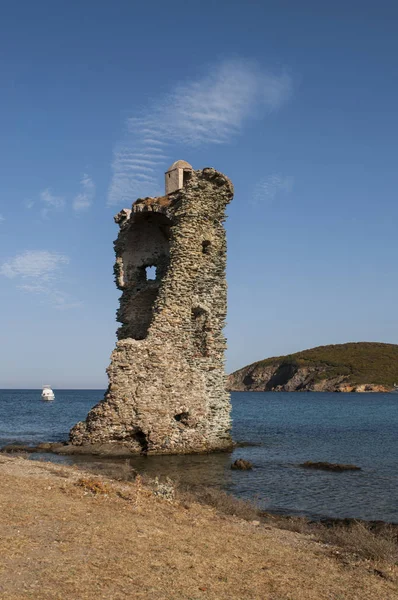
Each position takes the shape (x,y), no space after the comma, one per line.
(285,429)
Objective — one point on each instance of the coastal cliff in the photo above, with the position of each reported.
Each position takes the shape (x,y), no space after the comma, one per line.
(352,367)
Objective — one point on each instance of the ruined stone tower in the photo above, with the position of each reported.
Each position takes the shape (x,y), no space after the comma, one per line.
(166,389)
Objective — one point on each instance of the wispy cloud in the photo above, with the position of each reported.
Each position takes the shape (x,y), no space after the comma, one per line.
(270,187)
(38,272)
(56,298)
(2,219)
(34,264)
(85,198)
(51,202)
(208,110)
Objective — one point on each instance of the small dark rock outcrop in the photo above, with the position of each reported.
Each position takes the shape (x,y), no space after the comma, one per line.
(242,465)
(327,466)
(14,448)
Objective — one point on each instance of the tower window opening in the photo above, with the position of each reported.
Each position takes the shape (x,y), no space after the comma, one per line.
(186,176)
(150,273)
(206,247)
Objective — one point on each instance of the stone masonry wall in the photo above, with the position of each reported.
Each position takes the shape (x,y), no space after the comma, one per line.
(167,382)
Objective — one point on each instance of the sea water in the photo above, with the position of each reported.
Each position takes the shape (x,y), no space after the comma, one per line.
(283,430)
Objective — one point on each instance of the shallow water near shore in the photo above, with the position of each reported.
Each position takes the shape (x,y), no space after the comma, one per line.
(286,428)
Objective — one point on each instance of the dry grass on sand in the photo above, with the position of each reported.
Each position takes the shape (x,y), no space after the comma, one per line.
(69,534)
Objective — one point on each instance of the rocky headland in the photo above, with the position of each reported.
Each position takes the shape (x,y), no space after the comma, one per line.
(352,367)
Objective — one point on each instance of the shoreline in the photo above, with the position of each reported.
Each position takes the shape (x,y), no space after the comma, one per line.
(66,450)
(303,391)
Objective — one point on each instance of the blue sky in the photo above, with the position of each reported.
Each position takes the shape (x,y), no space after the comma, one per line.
(295,101)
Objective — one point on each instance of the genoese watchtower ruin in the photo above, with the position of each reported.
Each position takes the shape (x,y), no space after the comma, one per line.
(166,390)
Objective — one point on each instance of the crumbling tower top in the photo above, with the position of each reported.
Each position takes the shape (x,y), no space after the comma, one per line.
(177,175)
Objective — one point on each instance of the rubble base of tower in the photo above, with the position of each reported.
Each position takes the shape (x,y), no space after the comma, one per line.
(167,384)
(155,405)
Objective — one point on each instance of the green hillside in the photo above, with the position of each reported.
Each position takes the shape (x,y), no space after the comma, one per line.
(360,362)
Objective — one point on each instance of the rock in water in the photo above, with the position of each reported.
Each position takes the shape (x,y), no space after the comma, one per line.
(326,466)
(242,465)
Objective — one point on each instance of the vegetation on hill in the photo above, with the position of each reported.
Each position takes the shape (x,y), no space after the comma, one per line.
(354,363)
